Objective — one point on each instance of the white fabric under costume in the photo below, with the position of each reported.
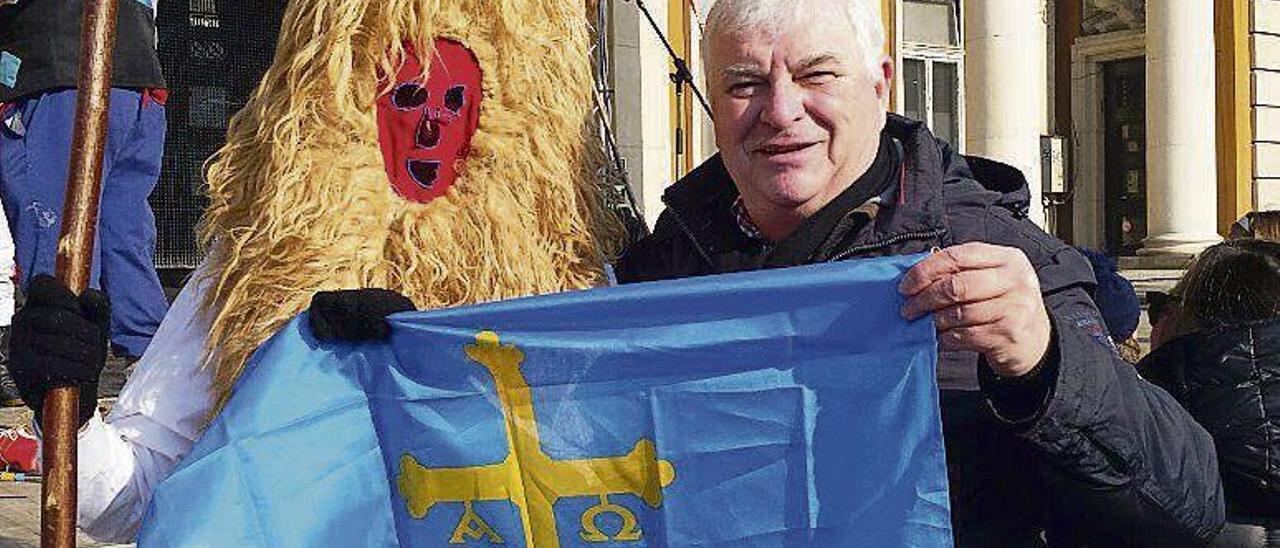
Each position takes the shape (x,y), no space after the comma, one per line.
(158,418)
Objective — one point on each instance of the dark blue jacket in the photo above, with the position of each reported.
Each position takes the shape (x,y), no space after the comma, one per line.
(1229,379)
(1099,458)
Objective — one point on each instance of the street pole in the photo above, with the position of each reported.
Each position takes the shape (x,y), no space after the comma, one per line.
(682,76)
(61,412)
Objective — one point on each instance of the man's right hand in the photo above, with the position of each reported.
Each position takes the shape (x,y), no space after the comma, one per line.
(59,339)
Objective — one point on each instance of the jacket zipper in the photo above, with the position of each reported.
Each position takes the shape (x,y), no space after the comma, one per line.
(897,238)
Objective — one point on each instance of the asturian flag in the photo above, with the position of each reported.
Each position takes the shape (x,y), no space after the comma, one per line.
(780,408)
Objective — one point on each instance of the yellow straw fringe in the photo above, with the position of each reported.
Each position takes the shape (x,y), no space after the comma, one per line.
(300,202)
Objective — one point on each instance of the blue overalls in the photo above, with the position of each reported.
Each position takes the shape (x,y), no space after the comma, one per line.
(35,152)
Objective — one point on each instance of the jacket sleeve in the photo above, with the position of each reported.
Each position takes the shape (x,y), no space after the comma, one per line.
(153,425)
(1123,462)
(1123,459)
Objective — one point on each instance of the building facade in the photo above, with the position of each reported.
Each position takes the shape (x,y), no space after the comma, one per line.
(1145,127)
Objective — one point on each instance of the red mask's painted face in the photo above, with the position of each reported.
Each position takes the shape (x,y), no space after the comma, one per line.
(425,130)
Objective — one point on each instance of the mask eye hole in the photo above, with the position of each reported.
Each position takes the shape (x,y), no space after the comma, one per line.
(455,99)
(409,96)
(424,172)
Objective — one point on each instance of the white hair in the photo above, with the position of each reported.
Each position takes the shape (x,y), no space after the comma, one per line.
(739,16)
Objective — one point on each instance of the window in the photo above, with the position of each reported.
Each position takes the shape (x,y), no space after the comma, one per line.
(933,67)
(915,101)
(930,22)
(1103,16)
(946,101)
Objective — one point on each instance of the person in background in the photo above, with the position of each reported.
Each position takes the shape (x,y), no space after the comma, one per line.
(1263,225)
(1216,349)
(19,448)
(9,396)
(1118,303)
(39,65)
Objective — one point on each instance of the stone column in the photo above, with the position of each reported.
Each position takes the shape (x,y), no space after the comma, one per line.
(1182,184)
(1007,85)
(642,104)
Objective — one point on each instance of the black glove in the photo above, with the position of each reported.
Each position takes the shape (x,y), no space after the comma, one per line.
(355,315)
(59,339)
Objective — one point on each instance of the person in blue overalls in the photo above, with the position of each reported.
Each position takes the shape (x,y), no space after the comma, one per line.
(39,50)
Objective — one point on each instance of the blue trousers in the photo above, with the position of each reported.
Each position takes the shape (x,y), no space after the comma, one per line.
(35,146)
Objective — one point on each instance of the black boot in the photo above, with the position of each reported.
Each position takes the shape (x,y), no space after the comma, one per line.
(8,390)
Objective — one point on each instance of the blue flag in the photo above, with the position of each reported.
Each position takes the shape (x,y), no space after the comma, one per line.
(780,408)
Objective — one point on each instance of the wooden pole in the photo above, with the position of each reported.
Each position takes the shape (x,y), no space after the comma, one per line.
(61,413)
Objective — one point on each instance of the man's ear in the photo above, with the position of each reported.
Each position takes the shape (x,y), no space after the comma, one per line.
(884,79)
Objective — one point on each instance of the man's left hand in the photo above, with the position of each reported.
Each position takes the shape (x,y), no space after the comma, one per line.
(984,299)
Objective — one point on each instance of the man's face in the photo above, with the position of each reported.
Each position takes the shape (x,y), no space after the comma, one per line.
(797,112)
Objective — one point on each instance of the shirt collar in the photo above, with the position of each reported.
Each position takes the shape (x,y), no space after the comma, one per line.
(745,224)
(862,194)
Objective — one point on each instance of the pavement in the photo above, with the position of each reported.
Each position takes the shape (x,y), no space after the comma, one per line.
(20,518)
(20,502)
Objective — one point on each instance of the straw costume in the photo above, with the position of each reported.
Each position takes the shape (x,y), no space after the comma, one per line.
(439,149)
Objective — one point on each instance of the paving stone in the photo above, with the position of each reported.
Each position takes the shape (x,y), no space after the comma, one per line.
(20,518)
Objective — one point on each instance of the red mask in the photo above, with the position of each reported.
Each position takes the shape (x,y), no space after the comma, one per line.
(425,130)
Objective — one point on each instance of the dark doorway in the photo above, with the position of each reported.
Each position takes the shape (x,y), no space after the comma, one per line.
(1125,114)
(214,53)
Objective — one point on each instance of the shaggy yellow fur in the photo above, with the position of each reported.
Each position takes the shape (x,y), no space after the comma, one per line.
(300,202)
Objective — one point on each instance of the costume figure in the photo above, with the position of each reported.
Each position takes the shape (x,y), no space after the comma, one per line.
(440,150)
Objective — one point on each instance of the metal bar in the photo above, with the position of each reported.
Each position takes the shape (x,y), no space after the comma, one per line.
(682,77)
(75,258)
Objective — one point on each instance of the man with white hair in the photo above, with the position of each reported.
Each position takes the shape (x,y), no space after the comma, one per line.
(1051,438)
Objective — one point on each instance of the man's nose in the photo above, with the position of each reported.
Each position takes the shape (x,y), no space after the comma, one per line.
(784,106)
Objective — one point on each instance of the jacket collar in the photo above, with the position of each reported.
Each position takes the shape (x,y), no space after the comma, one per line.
(1203,354)
(1208,345)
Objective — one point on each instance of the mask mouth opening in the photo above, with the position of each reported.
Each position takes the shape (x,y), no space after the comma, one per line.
(424,172)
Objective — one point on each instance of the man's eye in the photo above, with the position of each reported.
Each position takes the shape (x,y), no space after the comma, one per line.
(743,89)
(819,77)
